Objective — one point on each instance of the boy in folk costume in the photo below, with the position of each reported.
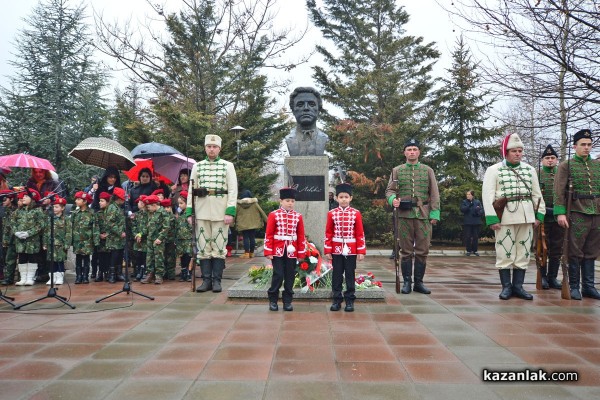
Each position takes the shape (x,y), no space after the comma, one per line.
(140,220)
(518,184)
(284,244)
(115,235)
(156,234)
(344,243)
(184,239)
(170,250)
(9,202)
(61,243)
(86,235)
(29,225)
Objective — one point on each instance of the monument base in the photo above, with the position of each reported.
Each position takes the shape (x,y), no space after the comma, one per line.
(309,175)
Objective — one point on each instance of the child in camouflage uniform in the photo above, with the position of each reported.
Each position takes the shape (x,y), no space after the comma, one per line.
(102,249)
(156,233)
(170,250)
(140,220)
(184,239)
(85,233)
(62,242)
(115,235)
(9,202)
(29,225)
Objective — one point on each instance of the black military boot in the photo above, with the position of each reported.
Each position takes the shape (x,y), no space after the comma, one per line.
(335,306)
(574,274)
(419,274)
(349,306)
(100,275)
(78,275)
(518,279)
(218,266)
(553,266)
(506,284)
(183,275)
(85,274)
(9,276)
(544,274)
(206,270)
(406,267)
(111,278)
(587,281)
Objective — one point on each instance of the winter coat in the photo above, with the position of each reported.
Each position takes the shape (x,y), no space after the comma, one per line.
(473,211)
(249,215)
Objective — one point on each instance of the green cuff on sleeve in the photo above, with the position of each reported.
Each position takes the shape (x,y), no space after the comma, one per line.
(230,211)
(539,217)
(188,212)
(391,199)
(559,210)
(491,220)
(434,214)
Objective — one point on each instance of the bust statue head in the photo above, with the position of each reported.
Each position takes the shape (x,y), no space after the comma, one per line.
(305,103)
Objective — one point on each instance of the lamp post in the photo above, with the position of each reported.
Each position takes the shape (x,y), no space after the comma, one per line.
(238,132)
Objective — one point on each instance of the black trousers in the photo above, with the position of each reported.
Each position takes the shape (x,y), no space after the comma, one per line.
(82,261)
(343,266)
(249,240)
(284,271)
(471,237)
(25,258)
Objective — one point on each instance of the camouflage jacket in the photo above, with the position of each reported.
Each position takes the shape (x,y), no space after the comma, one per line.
(85,232)
(172,234)
(115,226)
(7,223)
(33,221)
(62,238)
(184,236)
(102,228)
(137,226)
(157,227)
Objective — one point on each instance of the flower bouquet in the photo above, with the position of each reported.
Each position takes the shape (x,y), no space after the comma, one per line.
(366,281)
(260,275)
(312,268)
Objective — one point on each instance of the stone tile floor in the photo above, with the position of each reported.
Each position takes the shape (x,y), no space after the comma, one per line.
(186,345)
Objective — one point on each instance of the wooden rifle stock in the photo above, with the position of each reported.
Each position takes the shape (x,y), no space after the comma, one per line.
(565,292)
(194,241)
(396,250)
(541,251)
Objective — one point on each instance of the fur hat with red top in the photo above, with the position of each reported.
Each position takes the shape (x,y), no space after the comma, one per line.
(119,193)
(158,191)
(84,196)
(61,201)
(510,141)
(105,196)
(152,199)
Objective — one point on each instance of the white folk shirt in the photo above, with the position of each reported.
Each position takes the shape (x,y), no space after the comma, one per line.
(214,175)
(285,228)
(344,229)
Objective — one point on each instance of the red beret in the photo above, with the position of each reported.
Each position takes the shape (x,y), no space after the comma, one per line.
(158,191)
(34,194)
(152,199)
(105,195)
(183,194)
(119,192)
(141,198)
(84,196)
(7,193)
(61,201)
(166,203)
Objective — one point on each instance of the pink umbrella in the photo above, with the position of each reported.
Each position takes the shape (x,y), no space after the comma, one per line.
(170,165)
(23,160)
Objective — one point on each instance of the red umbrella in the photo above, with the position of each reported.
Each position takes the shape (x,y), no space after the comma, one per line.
(133,173)
(23,160)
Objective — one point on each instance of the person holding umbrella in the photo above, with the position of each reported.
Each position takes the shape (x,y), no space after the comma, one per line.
(214,196)
(182,184)
(144,188)
(41,180)
(3,183)
(29,226)
(109,181)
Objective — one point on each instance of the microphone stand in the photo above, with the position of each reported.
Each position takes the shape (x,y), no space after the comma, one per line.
(52,291)
(127,284)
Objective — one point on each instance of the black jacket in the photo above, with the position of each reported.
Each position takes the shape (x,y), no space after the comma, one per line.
(473,211)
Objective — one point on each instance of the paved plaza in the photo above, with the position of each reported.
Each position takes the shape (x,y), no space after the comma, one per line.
(186,345)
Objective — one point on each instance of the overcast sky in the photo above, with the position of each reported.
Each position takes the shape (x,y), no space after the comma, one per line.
(427,20)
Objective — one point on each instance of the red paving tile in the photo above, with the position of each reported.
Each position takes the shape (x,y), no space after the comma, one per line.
(263,353)
(303,371)
(442,372)
(170,369)
(363,353)
(302,351)
(423,354)
(32,370)
(235,371)
(191,351)
(362,338)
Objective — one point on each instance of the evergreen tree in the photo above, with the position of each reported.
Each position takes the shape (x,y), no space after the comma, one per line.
(378,76)
(55,97)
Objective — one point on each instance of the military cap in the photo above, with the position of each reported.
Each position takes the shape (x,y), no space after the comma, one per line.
(412,142)
(166,203)
(212,139)
(84,196)
(60,200)
(287,193)
(105,196)
(34,194)
(582,134)
(152,199)
(158,191)
(119,192)
(549,151)
(343,188)
(183,194)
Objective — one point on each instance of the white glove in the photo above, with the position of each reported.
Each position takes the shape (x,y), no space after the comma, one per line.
(22,235)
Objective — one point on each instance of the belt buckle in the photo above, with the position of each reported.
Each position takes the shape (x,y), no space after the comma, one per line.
(211,192)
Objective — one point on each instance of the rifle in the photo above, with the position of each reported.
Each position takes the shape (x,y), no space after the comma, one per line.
(565,292)
(541,251)
(194,240)
(396,250)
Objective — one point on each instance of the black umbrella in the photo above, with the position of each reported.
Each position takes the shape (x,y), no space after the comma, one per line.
(103,152)
(153,149)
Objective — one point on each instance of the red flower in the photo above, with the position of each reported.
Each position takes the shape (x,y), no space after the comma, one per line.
(304,266)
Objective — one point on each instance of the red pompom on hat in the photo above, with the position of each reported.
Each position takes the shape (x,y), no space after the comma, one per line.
(166,203)
(105,195)
(510,141)
(119,192)
(152,199)
(60,200)
(158,191)
(183,194)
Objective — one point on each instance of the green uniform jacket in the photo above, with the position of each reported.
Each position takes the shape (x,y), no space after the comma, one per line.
(585,174)
(8,222)
(172,234)
(184,236)
(547,176)
(62,238)
(138,224)
(33,221)
(86,232)
(417,183)
(157,227)
(115,226)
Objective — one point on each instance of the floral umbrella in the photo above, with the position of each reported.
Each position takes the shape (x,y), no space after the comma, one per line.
(103,152)
(24,160)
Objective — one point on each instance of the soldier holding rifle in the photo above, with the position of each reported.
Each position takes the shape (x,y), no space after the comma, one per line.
(584,219)
(413,191)
(510,195)
(214,194)
(553,231)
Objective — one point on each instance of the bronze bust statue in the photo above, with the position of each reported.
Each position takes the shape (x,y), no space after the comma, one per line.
(305,139)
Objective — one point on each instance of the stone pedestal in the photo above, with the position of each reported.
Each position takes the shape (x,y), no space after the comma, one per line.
(309,175)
